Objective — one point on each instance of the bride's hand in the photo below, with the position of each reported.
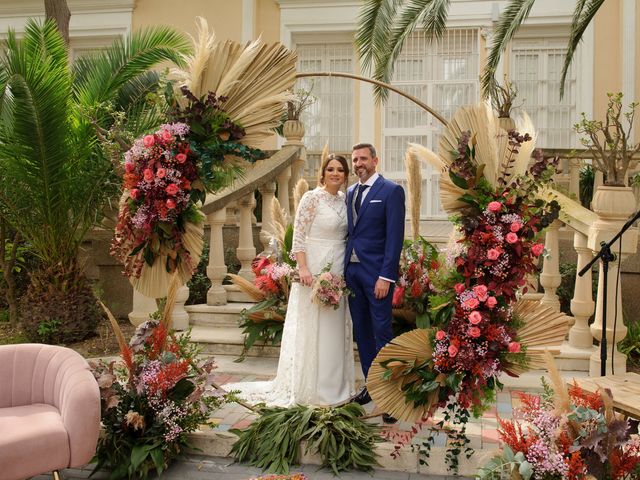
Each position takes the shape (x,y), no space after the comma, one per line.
(306,278)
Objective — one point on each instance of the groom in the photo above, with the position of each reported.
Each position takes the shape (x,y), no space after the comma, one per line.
(375,211)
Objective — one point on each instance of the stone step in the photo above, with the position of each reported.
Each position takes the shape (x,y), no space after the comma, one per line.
(228,341)
(234,294)
(216,315)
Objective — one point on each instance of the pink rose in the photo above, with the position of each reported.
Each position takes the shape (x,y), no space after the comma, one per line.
(171,203)
(325,276)
(537,249)
(166,135)
(129,167)
(471,303)
(491,302)
(134,193)
(494,206)
(475,317)
(459,288)
(172,189)
(440,335)
(161,173)
(453,350)
(474,332)
(511,237)
(481,292)
(514,347)
(493,254)
(515,226)
(148,140)
(148,175)
(181,158)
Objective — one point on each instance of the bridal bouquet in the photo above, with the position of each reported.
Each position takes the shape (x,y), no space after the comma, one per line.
(578,438)
(328,288)
(151,400)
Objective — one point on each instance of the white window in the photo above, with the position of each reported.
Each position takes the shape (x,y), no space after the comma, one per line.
(444,75)
(331,117)
(536,66)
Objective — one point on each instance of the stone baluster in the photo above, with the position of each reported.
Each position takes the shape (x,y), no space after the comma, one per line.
(246,252)
(142,308)
(179,316)
(283,190)
(267,191)
(217,269)
(550,277)
(613,205)
(582,304)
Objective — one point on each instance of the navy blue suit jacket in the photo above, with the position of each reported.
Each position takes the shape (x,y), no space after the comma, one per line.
(378,234)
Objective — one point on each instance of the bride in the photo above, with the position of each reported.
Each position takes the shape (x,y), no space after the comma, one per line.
(316,355)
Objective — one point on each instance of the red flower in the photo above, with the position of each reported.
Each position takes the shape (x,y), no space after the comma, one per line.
(416,289)
(493,253)
(181,158)
(453,350)
(537,249)
(440,335)
(474,332)
(459,288)
(148,140)
(475,317)
(398,296)
(511,237)
(514,347)
(494,206)
(172,189)
(171,203)
(491,302)
(148,175)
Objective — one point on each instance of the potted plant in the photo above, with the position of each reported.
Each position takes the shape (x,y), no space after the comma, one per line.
(610,141)
(502,97)
(292,128)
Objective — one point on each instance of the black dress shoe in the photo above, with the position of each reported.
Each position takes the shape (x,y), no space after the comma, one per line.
(388,419)
(362,398)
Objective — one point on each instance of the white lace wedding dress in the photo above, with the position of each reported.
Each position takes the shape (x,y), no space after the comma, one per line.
(316,355)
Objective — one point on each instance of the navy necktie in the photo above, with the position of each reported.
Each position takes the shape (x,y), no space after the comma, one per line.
(361,189)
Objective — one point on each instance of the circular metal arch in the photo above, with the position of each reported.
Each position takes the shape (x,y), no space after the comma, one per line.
(376,82)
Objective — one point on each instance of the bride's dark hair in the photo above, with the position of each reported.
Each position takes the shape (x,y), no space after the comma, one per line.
(332,156)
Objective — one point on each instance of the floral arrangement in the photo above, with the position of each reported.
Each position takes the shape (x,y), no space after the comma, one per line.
(295,476)
(580,439)
(270,289)
(167,173)
(328,288)
(419,265)
(473,337)
(151,399)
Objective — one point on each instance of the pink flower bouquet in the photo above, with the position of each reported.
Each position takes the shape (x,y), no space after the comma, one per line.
(329,288)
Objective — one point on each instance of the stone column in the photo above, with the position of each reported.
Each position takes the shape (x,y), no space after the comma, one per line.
(217,269)
(582,304)
(283,190)
(267,191)
(550,277)
(574,176)
(246,252)
(614,205)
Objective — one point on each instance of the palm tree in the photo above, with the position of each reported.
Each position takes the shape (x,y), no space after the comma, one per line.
(55,176)
(384,25)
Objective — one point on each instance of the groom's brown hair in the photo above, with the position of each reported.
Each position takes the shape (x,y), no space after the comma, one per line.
(371,148)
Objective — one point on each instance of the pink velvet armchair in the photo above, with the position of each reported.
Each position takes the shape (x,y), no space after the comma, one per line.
(49,410)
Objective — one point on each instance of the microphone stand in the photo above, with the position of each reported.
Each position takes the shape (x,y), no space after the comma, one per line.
(606,256)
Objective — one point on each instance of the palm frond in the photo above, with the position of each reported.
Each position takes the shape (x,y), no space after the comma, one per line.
(100,76)
(409,17)
(513,16)
(414,186)
(374,27)
(582,17)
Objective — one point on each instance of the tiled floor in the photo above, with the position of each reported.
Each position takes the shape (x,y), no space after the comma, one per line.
(482,432)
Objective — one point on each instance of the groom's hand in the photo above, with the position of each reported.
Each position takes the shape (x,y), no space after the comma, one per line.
(381,289)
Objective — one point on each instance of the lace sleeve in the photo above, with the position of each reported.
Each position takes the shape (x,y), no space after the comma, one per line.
(304,218)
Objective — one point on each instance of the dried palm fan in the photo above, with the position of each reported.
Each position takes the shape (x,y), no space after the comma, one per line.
(256,79)
(404,351)
(247,287)
(414,185)
(543,330)
(491,145)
